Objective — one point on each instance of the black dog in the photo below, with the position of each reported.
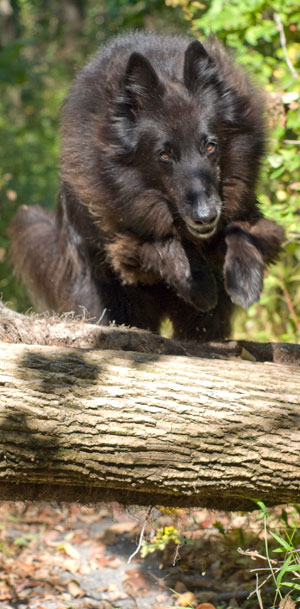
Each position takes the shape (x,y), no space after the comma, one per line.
(162,140)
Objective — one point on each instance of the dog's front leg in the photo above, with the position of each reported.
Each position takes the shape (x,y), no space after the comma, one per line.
(249,248)
(137,261)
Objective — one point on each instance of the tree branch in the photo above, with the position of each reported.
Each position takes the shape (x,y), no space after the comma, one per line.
(283,45)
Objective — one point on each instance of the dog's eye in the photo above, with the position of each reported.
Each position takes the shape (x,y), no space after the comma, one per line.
(211,147)
(165,156)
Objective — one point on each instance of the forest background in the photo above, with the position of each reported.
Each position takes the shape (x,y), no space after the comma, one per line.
(44,43)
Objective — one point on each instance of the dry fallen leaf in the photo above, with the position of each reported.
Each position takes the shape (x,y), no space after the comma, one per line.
(72,565)
(205,606)
(135,583)
(247,356)
(109,561)
(92,516)
(85,569)
(186,599)
(74,589)
(287,603)
(90,604)
(110,535)
(115,593)
(5,594)
(70,550)
(24,569)
(161,598)
(105,605)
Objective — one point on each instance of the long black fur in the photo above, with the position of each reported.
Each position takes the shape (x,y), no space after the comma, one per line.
(162,139)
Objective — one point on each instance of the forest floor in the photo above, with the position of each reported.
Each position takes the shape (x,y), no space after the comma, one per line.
(65,557)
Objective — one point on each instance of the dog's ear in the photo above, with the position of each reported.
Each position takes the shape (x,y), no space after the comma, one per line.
(141,83)
(140,87)
(198,65)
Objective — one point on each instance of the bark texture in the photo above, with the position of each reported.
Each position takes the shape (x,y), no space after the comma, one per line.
(67,331)
(102,425)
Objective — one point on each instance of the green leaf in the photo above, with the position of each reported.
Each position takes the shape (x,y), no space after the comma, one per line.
(261,505)
(295,567)
(291,585)
(283,570)
(282,542)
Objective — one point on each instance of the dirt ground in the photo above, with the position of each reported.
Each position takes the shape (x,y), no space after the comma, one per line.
(63,557)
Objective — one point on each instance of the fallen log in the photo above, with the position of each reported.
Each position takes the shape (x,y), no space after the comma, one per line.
(69,331)
(94,425)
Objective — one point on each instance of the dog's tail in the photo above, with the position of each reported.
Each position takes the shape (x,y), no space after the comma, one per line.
(46,258)
(35,254)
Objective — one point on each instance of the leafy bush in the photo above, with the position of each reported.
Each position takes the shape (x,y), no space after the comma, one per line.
(283,571)
(264,35)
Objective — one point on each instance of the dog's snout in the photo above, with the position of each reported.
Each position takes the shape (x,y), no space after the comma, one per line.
(203,209)
(204,216)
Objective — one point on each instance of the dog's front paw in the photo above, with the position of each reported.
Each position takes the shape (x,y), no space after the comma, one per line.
(124,255)
(243,270)
(200,288)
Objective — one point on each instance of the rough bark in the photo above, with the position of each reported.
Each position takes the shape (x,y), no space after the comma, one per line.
(67,331)
(101,425)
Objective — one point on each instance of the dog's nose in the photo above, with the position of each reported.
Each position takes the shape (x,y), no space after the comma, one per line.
(204,216)
(203,209)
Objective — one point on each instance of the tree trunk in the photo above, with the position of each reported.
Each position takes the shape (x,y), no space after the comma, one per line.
(150,429)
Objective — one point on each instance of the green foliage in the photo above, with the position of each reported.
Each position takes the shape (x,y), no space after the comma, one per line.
(132,14)
(29,153)
(264,547)
(160,541)
(284,573)
(265,37)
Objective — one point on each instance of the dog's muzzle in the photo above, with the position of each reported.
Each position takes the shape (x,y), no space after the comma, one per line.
(200,230)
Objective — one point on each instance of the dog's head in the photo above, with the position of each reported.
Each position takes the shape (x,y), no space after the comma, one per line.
(174,132)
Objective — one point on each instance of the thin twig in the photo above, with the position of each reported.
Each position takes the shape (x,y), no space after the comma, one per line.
(283,45)
(258,594)
(267,554)
(253,554)
(293,237)
(275,570)
(141,536)
(176,555)
(289,303)
(261,584)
